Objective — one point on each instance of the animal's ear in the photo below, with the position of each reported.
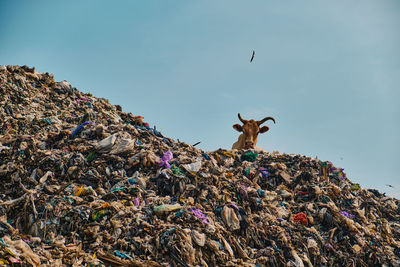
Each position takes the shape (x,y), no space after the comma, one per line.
(264,129)
(238,127)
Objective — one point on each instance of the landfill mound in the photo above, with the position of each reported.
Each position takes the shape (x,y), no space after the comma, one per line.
(85,184)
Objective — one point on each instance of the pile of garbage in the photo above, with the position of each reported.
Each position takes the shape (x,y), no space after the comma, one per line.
(85,184)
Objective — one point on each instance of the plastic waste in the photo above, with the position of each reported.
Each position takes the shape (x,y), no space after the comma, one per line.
(165,160)
(193,167)
(249,156)
(105,145)
(165,208)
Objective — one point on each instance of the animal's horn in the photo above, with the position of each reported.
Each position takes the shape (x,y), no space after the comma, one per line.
(242,120)
(264,120)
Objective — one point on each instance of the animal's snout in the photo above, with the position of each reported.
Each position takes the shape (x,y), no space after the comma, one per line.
(249,144)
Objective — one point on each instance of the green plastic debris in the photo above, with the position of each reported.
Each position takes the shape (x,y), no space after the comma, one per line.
(179,213)
(249,156)
(118,189)
(177,171)
(355,187)
(96,215)
(91,156)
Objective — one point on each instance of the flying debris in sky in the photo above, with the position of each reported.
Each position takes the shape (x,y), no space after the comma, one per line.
(196,144)
(252,56)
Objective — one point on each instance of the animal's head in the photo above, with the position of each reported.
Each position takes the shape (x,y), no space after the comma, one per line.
(251,129)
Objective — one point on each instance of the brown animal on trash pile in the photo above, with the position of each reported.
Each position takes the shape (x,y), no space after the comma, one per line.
(250,129)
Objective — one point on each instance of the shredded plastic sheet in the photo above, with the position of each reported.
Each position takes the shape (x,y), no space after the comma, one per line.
(80,127)
(200,215)
(165,160)
(348,215)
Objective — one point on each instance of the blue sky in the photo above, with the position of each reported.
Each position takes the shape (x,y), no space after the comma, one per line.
(327,71)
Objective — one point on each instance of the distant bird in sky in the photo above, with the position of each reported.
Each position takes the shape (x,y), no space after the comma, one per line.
(390,185)
(252,56)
